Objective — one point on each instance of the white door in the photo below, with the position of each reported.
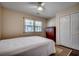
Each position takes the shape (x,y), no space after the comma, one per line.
(75,30)
(65,31)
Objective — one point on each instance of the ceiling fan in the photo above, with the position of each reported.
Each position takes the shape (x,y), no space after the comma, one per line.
(38,5)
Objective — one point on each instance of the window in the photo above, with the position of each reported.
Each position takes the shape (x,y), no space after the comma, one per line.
(28,26)
(32,26)
(38,26)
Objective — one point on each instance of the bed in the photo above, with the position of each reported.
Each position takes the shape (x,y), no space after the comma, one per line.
(27,46)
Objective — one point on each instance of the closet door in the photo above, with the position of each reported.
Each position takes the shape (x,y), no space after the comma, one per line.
(65,31)
(75,30)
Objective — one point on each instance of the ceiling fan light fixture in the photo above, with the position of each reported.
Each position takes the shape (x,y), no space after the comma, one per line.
(40,8)
(42,4)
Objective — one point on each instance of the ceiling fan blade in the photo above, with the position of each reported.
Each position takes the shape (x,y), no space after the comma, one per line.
(32,6)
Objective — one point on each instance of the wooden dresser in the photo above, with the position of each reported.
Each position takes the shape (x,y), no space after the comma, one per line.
(51,33)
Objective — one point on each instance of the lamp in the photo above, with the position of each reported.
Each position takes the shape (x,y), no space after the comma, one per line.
(40,8)
(42,4)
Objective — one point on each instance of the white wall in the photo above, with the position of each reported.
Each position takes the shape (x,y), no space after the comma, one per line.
(51,22)
(13,25)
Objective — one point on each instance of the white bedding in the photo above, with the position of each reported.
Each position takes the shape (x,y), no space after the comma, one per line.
(18,45)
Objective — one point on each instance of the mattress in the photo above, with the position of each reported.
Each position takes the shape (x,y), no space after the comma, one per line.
(18,45)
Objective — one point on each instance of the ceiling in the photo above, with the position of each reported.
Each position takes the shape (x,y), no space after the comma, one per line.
(51,8)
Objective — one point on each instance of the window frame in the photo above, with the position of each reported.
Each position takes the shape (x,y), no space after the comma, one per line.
(38,26)
(33,26)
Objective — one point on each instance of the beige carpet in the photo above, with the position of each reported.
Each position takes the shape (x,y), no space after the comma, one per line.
(62,51)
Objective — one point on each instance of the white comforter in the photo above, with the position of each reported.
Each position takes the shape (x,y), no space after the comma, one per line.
(21,44)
